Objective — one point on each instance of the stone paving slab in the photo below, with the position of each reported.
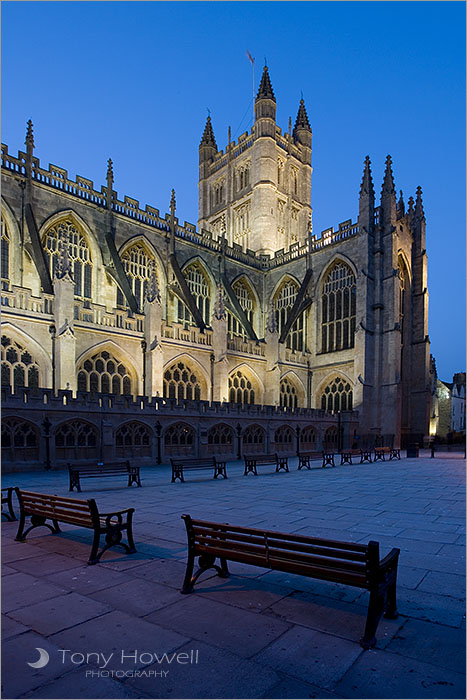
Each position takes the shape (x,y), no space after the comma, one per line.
(260,633)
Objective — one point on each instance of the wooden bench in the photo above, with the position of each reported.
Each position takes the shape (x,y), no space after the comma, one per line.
(83,470)
(42,507)
(340,562)
(7,500)
(182,464)
(304,458)
(393,452)
(347,455)
(253,461)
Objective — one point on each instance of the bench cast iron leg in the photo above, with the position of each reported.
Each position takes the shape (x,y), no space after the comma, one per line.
(375,610)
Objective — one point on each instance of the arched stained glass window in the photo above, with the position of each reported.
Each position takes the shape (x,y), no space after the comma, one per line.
(337,396)
(137,263)
(246,301)
(338,308)
(241,389)
(283,303)
(19,368)
(78,253)
(181,382)
(288,395)
(199,287)
(104,373)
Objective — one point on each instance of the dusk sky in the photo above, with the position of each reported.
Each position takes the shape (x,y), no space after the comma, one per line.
(134,80)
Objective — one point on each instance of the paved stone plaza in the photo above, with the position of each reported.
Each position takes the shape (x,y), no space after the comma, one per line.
(259,634)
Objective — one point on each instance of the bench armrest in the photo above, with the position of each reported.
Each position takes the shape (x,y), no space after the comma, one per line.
(117,512)
(390,560)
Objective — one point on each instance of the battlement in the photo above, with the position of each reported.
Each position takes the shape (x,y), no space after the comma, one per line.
(82,188)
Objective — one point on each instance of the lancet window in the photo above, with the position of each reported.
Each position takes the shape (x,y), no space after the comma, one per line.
(133,439)
(243,177)
(179,439)
(254,438)
(19,368)
(337,396)
(338,308)
(308,438)
(240,388)
(5,256)
(221,439)
(181,382)
(20,440)
(78,254)
(102,372)
(283,303)
(137,264)
(284,438)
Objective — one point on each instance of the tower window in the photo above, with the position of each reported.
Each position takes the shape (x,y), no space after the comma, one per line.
(338,309)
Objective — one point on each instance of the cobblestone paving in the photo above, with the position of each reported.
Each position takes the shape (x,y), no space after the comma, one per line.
(258,634)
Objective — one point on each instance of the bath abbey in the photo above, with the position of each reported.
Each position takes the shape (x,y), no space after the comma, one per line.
(126,333)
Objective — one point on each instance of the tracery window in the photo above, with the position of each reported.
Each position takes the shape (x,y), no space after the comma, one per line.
(221,439)
(181,382)
(76,439)
(308,438)
(288,394)
(254,438)
(284,438)
(19,368)
(337,396)
(245,299)
(133,439)
(5,256)
(217,193)
(198,285)
(283,303)
(281,217)
(102,372)
(280,172)
(179,439)
(78,253)
(240,388)
(331,439)
(137,264)
(338,304)
(243,177)
(20,440)
(242,223)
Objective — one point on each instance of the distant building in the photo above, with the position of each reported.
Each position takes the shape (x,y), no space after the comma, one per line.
(115,316)
(447,416)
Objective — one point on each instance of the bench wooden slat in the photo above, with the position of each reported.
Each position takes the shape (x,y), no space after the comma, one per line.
(290,537)
(78,470)
(180,465)
(282,544)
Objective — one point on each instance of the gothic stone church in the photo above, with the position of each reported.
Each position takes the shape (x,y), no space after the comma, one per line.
(126,333)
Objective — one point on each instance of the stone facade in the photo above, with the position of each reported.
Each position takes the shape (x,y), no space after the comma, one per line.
(104,298)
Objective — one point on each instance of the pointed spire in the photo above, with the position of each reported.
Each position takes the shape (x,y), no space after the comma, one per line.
(265,91)
(271,324)
(302,121)
(219,307)
(410,210)
(208,135)
(110,174)
(172,203)
(419,213)
(367,181)
(400,205)
(388,182)
(153,293)
(29,137)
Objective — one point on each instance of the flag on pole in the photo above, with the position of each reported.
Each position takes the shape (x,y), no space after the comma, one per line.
(252,60)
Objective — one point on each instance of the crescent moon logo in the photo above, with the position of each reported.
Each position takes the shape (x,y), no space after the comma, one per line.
(43,659)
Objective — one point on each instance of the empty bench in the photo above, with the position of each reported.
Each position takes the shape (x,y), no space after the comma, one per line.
(83,470)
(347,456)
(392,452)
(183,464)
(340,562)
(42,507)
(253,461)
(7,500)
(305,458)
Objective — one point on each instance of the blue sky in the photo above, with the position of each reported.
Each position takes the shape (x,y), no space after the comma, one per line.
(133,81)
